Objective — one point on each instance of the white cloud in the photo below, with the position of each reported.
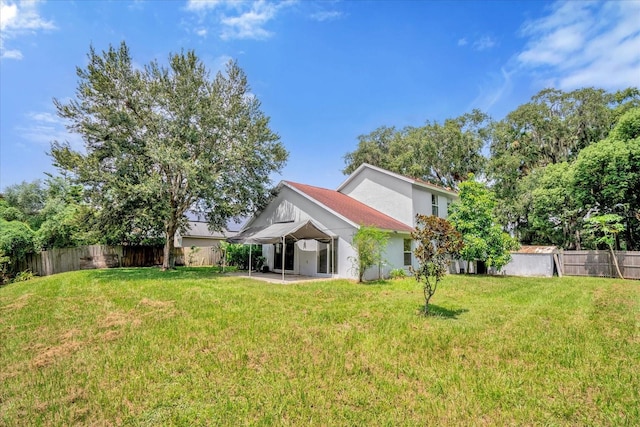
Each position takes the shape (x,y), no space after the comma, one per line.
(18,19)
(11,54)
(239,20)
(481,43)
(329,15)
(484,43)
(202,32)
(45,127)
(585,44)
(199,5)
(500,86)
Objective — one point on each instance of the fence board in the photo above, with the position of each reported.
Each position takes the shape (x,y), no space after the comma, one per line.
(598,263)
(58,260)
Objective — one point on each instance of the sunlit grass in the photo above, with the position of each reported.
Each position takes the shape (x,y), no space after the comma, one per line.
(191,347)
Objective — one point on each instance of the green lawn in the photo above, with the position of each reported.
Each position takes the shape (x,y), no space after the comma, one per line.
(141,347)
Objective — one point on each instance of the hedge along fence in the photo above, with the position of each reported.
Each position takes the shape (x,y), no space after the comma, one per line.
(55,261)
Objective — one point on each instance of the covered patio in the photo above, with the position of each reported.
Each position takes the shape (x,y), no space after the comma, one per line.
(283,233)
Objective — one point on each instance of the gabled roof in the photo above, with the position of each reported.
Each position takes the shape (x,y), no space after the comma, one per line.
(356,212)
(415,181)
(200,230)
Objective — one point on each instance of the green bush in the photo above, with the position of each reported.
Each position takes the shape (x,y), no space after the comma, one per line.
(16,241)
(238,256)
(23,276)
(398,273)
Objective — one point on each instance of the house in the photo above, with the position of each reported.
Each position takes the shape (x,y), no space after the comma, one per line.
(308,230)
(199,235)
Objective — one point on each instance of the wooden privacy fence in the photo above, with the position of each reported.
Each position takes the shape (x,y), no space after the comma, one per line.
(598,263)
(55,261)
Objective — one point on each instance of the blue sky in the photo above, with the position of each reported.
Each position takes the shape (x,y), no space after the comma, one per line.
(325,71)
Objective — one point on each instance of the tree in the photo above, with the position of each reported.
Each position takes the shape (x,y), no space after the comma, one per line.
(16,242)
(369,243)
(607,176)
(439,153)
(373,148)
(437,243)
(443,154)
(66,220)
(605,228)
(554,216)
(472,216)
(28,198)
(552,128)
(164,140)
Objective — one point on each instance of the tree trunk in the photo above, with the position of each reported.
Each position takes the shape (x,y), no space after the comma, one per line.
(614,260)
(168,260)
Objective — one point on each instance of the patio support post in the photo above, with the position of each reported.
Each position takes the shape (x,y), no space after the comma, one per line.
(250,259)
(283,255)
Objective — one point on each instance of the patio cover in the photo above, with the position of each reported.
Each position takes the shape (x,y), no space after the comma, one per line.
(281,233)
(275,233)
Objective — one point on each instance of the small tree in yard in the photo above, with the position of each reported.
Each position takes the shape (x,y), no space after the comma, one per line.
(437,242)
(369,243)
(472,216)
(605,228)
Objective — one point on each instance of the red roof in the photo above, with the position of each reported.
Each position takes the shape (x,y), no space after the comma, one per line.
(350,208)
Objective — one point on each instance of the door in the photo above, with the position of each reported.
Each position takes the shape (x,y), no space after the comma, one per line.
(289,252)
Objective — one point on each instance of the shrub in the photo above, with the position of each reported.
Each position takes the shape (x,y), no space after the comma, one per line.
(238,255)
(398,273)
(369,243)
(23,276)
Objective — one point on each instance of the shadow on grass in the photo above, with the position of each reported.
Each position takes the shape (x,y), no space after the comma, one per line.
(376,282)
(442,312)
(155,273)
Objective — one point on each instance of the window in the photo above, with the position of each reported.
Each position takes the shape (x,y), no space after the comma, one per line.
(407,252)
(434,205)
(322,257)
(327,257)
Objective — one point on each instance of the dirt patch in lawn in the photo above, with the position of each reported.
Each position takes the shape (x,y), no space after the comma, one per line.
(49,355)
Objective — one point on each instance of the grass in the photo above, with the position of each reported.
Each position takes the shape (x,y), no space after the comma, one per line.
(192,347)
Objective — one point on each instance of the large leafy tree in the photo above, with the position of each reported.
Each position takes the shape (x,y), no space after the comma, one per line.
(162,140)
(607,176)
(554,216)
(446,153)
(439,153)
(373,148)
(552,128)
(472,216)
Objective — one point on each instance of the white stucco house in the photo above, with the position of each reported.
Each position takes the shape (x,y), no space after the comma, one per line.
(317,224)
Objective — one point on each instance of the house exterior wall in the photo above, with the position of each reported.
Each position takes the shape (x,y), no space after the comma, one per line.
(384,193)
(187,242)
(393,256)
(291,206)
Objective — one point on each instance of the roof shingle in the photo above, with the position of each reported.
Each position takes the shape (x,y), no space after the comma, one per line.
(350,208)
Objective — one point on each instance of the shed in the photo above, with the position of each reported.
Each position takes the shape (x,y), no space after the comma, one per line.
(535,261)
